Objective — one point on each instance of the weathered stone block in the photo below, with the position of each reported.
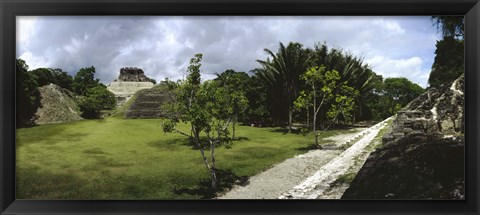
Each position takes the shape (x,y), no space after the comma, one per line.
(417,125)
(407,130)
(398,135)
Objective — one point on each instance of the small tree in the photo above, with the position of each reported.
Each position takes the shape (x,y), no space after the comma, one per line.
(343,105)
(207,107)
(325,89)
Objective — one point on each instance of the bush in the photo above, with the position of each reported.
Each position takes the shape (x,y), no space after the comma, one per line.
(95,100)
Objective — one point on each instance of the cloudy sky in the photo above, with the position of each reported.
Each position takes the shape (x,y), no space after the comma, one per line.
(162,46)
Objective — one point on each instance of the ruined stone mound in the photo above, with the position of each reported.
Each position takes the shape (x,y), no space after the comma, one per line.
(57,105)
(148,104)
(129,81)
(422,157)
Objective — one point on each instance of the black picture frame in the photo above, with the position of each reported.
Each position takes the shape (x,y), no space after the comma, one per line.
(9,9)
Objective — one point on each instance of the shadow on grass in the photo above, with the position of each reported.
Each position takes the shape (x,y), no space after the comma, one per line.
(226,180)
(308,147)
(95,151)
(241,139)
(32,183)
(168,144)
(71,137)
(285,131)
(41,134)
(323,145)
(107,161)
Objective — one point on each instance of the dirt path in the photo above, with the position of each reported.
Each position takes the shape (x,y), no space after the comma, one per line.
(285,177)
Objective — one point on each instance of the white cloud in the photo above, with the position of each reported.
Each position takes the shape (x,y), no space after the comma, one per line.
(33,61)
(162,46)
(390,27)
(410,68)
(25,29)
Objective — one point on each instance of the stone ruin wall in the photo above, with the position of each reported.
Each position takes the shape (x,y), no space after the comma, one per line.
(129,81)
(132,74)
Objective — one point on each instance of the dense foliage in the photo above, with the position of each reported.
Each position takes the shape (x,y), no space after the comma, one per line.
(449,53)
(84,80)
(367,99)
(96,99)
(282,73)
(27,94)
(390,95)
(448,64)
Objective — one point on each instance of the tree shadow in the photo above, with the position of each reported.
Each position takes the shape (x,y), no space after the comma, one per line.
(240,139)
(309,147)
(285,131)
(226,180)
(72,137)
(162,144)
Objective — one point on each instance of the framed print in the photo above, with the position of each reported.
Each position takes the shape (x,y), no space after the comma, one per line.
(196,107)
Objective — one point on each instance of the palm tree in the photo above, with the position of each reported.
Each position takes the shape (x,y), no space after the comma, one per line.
(283,72)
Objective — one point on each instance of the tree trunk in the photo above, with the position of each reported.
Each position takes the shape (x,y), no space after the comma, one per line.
(233,126)
(290,115)
(315,129)
(315,119)
(353,118)
(322,125)
(213,169)
(205,160)
(214,179)
(308,117)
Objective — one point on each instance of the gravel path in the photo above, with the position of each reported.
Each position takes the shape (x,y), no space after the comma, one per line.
(282,177)
(314,186)
(299,176)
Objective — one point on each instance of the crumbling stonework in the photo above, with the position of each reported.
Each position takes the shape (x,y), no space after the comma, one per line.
(132,74)
(439,110)
(130,80)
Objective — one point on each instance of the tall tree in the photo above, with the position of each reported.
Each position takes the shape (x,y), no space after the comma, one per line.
(450,26)
(56,76)
(401,90)
(284,71)
(236,84)
(85,79)
(27,94)
(449,53)
(449,61)
(258,111)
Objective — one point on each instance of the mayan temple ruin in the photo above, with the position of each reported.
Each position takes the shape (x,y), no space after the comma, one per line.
(130,80)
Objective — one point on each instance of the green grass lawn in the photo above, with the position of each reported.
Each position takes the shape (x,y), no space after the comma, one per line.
(117,158)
